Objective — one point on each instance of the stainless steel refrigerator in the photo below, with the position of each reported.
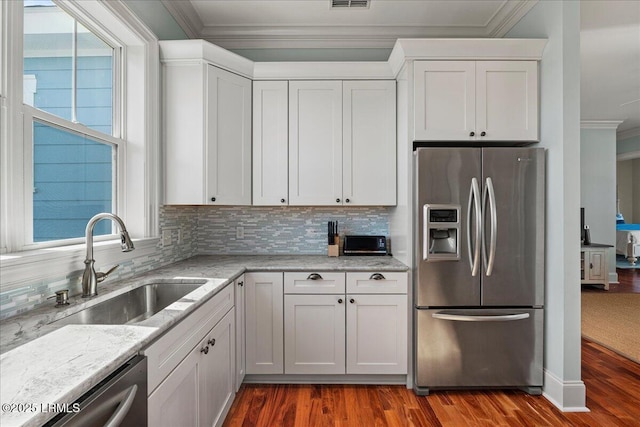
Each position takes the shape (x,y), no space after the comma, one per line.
(479,278)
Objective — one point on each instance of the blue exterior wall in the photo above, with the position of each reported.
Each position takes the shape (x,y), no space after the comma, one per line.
(73,175)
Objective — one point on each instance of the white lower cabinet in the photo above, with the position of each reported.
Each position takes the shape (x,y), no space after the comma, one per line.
(240,370)
(376,334)
(314,334)
(200,390)
(352,333)
(264,323)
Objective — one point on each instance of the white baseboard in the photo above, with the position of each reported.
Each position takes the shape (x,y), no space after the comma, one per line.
(568,396)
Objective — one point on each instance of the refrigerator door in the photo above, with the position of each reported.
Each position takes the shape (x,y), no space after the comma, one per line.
(479,348)
(513,233)
(444,179)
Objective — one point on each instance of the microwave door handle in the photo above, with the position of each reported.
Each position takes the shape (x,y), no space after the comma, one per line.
(123,408)
(494,227)
(474,196)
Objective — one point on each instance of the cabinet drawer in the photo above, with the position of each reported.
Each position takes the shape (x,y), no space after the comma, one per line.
(377,283)
(167,352)
(320,282)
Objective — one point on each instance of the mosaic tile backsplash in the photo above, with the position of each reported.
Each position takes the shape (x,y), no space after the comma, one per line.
(213,230)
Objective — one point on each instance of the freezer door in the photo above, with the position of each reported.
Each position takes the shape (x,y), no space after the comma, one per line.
(513,233)
(479,348)
(444,177)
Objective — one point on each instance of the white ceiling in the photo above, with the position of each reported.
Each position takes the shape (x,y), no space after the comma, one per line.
(610,63)
(610,35)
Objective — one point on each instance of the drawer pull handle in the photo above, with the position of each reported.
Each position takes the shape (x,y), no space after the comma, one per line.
(240,283)
(314,276)
(377,276)
(212,342)
(204,349)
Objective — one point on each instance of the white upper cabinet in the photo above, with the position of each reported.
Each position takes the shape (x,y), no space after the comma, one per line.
(445,107)
(476,100)
(270,143)
(342,148)
(207,127)
(369,142)
(507,100)
(315,143)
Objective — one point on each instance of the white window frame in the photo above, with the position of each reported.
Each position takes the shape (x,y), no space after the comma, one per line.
(138,157)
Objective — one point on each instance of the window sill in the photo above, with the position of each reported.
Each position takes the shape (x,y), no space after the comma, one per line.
(20,268)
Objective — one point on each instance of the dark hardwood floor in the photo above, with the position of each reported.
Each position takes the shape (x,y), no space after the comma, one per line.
(613,384)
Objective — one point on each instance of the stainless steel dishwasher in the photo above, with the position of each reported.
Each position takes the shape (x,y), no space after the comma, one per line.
(118,400)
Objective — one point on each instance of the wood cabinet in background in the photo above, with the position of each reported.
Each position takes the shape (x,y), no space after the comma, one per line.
(594,264)
(476,100)
(207,135)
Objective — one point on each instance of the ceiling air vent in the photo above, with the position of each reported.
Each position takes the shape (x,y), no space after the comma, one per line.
(350,4)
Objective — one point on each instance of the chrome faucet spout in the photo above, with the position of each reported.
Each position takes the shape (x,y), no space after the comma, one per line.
(90,278)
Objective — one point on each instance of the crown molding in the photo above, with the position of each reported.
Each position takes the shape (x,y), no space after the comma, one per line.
(600,124)
(322,70)
(631,155)
(506,18)
(629,133)
(186,17)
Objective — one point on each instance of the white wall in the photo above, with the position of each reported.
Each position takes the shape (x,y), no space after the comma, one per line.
(636,190)
(559,22)
(598,186)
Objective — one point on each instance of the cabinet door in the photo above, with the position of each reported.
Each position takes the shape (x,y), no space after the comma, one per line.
(264,323)
(377,334)
(444,104)
(183,127)
(596,265)
(216,373)
(270,143)
(369,142)
(175,401)
(315,143)
(228,138)
(507,100)
(240,329)
(314,334)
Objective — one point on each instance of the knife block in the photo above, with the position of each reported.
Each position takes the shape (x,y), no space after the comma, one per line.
(334,250)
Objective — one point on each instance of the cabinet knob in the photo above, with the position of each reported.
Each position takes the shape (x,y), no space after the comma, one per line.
(339,300)
(213,199)
(240,283)
(347,200)
(337,200)
(376,276)
(352,300)
(204,349)
(282,200)
(211,342)
(483,133)
(472,134)
(314,276)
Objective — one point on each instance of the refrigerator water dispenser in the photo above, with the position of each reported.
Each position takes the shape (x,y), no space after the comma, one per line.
(442,233)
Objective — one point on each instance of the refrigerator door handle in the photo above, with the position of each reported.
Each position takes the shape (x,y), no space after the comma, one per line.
(474,254)
(443,315)
(490,194)
(425,232)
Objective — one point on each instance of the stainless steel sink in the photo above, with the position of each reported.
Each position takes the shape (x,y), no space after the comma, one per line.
(134,306)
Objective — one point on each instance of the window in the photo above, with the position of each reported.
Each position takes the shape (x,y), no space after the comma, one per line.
(79,125)
(68,72)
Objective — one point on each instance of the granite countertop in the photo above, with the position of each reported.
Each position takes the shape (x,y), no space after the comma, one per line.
(43,363)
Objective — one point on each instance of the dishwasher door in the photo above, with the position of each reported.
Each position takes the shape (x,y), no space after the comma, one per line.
(118,400)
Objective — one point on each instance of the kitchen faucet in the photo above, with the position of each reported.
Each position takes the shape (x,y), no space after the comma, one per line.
(90,278)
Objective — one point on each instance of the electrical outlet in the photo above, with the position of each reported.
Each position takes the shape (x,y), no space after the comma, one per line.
(166,238)
(179,238)
(239,232)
